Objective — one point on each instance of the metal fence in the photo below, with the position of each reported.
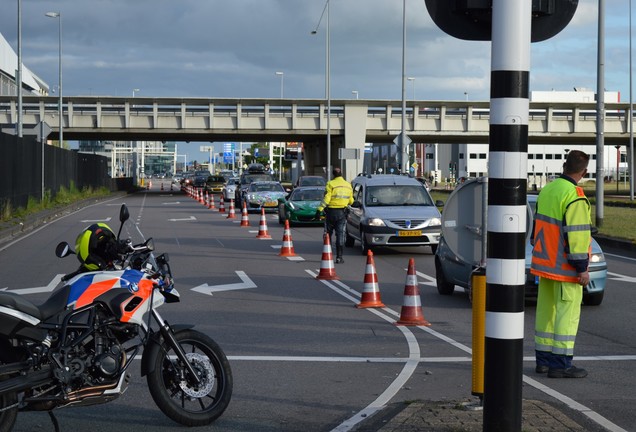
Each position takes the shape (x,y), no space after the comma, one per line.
(23,176)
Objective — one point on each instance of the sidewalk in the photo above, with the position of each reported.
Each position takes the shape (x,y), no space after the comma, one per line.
(452,416)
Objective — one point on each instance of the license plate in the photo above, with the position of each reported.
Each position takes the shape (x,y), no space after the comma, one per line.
(414,233)
(270,204)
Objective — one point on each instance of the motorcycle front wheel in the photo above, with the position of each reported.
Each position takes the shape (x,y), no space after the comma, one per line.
(176,395)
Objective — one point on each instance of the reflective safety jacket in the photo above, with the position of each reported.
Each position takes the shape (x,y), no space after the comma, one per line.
(562,231)
(338,194)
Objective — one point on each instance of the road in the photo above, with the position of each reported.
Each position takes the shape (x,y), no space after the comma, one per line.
(303,357)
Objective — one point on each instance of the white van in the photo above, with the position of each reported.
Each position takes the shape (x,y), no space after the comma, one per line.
(392,210)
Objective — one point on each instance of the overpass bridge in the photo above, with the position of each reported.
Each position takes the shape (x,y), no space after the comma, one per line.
(353,121)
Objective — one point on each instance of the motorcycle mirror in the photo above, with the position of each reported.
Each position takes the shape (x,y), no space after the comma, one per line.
(124,215)
(150,244)
(63,250)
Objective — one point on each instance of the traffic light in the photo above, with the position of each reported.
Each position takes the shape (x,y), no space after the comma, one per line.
(472,19)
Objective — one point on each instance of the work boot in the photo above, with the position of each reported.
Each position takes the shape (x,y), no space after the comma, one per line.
(571,372)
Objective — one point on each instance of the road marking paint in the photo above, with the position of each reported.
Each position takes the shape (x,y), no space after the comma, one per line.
(387,396)
(620,277)
(619,256)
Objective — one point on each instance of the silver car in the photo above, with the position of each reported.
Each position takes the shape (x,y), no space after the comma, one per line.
(392,210)
(229,189)
(455,262)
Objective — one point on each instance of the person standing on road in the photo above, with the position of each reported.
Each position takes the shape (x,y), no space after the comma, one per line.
(338,195)
(561,238)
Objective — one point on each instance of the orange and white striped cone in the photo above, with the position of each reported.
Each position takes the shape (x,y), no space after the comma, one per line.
(262,228)
(232,213)
(201,196)
(411,313)
(288,247)
(211,202)
(245,218)
(221,206)
(327,270)
(371,291)
(206,200)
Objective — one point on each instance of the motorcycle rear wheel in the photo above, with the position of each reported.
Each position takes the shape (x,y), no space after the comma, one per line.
(185,403)
(8,417)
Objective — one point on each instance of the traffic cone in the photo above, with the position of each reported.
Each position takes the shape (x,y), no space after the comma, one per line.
(327,271)
(211,202)
(221,206)
(288,247)
(245,219)
(232,213)
(371,291)
(201,199)
(411,313)
(262,227)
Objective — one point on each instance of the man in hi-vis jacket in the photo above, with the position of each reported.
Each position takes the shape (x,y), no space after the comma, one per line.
(560,257)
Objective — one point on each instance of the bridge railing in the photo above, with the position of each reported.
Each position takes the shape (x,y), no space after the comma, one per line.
(383,117)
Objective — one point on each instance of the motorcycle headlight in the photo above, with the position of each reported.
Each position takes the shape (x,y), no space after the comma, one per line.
(377,222)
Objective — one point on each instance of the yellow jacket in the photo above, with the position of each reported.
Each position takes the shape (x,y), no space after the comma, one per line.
(338,194)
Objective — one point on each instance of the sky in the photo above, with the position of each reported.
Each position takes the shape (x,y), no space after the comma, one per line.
(233,49)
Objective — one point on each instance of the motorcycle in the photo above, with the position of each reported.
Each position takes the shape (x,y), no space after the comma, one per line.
(75,349)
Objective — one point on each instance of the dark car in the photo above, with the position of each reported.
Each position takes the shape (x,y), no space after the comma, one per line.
(255,172)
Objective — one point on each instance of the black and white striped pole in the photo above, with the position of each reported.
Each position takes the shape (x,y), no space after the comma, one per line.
(506,228)
(511,25)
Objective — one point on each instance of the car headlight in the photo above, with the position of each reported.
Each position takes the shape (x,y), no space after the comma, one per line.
(433,222)
(251,197)
(597,257)
(376,222)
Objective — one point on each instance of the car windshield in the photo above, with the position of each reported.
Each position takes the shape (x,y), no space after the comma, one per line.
(266,187)
(216,179)
(307,195)
(391,195)
(312,181)
(249,178)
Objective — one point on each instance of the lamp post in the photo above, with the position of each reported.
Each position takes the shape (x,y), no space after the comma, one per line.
(355,93)
(58,15)
(19,74)
(282,77)
(412,79)
(327,84)
(403,162)
(618,161)
(135,90)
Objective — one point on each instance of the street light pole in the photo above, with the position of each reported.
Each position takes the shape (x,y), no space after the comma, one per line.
(19,71)
(135,90)
(412,79)
(58,15)
(403,162)
(282,77)
(327,84)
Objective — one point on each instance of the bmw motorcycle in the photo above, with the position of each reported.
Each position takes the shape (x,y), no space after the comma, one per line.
(76,348)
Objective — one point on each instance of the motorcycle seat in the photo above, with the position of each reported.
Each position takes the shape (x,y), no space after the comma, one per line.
(53,305)
(19,303)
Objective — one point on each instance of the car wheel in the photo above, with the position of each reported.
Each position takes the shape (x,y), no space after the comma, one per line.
(364,246)
(593,299)
(443,286)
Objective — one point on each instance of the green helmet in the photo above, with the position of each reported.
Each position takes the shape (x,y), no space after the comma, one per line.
(96,247)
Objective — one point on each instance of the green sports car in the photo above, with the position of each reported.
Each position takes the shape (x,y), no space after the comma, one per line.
(300,206)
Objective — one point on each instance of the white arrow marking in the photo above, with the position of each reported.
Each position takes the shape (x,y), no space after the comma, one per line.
(207,289)
(621,277)
(172,203)
(50,287)
(96,220)
(191,218)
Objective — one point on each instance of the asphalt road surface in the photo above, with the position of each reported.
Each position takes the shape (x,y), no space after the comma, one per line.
(303,356)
